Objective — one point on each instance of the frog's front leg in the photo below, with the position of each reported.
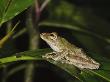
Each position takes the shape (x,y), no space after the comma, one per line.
(53,55)
(57,56)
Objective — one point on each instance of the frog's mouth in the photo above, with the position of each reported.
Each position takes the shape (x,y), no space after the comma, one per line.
(43,35)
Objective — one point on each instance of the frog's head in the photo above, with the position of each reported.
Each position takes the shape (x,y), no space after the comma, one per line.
(52,39)
(49,37)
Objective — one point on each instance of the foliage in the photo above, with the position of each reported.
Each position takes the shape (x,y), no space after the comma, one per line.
(80,22)
(11,8)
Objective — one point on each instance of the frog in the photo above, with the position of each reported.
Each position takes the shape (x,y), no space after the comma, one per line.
(66,52)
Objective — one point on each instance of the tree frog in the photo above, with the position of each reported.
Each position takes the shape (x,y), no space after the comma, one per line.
(66,52)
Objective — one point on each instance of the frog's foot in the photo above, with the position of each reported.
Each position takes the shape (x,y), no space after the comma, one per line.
(49,55)
(53,55)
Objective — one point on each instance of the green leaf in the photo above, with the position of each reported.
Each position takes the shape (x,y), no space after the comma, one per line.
(82,75)
(11,8)
(27,55)
(105,74)
(72,70)
(3,4)
(90,77)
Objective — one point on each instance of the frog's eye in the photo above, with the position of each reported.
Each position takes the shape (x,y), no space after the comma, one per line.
(53,36)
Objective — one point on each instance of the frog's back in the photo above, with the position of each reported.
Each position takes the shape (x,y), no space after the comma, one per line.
(72,49)
(68,45)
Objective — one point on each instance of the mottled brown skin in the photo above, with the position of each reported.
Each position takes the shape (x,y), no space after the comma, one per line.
(67,52)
